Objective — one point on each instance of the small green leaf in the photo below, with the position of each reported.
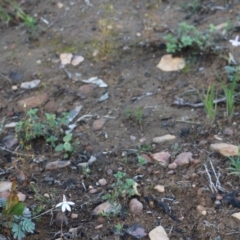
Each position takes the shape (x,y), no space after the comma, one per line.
(68,137)
(67,147)
(17,209)
(59,148)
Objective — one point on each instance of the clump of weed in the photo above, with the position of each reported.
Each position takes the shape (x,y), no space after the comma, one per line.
(188,36)
(123,187)
(135,115)
(235,164)
(32,127)
(10,11)
(15,217)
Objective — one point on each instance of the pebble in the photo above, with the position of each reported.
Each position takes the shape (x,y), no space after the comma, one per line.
(32,102)
(46,195)
(57,164)
(102,181)
(172,165)
(98,124)
(225,149)
(183,159)
(201,210)
(158,233)
(160,188)
(99,226)
(135,207)
(162,158)
(74,215)
(236,215)
(164,138)
(87,89)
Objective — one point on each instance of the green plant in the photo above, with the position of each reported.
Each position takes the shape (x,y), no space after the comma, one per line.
(232,72)
(136,115)
(86,171)
(144,148)
(32,127)
(235,165)
(141,161)
(16,13)
(192,7)
(229,95)
(188,36)
(15,215)
(122,188)
(209,105)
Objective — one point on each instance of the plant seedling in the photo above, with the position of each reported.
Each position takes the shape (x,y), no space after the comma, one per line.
(208,102)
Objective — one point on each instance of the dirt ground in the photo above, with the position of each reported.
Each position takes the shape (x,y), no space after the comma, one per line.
(129,38)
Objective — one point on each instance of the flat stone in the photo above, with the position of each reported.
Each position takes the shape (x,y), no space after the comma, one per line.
(158,233)
(236,215)
(162,158)
(32,102)
(225,149)
(57,164)
(107,207)
(98,124)
(164,138)
(160,188)
(87,89)
(183,159)
(135,207)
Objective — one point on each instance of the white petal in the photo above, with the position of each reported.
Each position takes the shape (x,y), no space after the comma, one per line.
(70,203)
(68,207)
(59,204)
(64,207)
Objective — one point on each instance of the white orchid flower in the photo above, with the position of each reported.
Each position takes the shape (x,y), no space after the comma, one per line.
(235,41)
(65,204)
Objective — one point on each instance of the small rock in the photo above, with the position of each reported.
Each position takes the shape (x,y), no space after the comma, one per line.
(57,164)
(20,176)
(66,58)
(32,102)
(30,85)
(201,210)
(99,226)
(236,215)
(160,188)
(135,206)
(183,158)
(217,138)
(158,233)
(98,124)
(74,216)
(133,138)
(61,219)
(86,89)
(203,142)
(51,106)
(225,149)
(172,165)
(14,87)
(83,165)
(164,138)
(46,195)
(162,158)
(92,191)
(77,60)
(102,181)
(147,158)
(107,207)
(228,132)
(171,172)
(101,220)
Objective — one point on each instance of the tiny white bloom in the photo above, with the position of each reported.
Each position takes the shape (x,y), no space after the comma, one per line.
(65,204)
(235,42)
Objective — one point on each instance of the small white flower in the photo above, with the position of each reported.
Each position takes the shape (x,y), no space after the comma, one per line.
(65,204)
(235,42)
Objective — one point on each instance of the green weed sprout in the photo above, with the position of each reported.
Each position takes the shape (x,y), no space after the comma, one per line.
(188,36)
(122,187)
(15,215)
(229,95)
(32,127)
(29,21)
(235,164)
(208,102)
(141,161)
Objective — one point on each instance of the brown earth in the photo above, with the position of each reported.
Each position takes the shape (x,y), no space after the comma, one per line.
(130,45)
